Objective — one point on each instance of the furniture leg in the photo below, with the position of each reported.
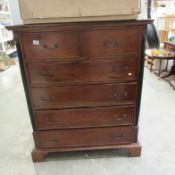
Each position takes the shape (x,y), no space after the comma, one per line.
(151,68)
(38,155)
(172,72)
(160,66)
(134,150)
(167,65)
(170,84)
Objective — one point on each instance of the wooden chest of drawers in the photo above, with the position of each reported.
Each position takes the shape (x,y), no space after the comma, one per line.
(83,84)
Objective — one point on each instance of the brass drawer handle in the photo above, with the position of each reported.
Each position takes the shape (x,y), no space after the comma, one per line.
(51,48)
(51,98)
(120,95)
(118,136)
(54,140)
(110,44)
(119,117)
(46,74)
(119,69)
(51,121)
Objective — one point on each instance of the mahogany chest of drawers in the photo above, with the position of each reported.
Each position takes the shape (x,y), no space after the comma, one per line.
(83,84)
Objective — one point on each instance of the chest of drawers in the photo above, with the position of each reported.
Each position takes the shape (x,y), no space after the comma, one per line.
(83,84)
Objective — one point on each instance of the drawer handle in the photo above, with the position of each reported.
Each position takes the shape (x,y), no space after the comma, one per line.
(54,140)
(51,121)
(119,117)
(118,136)
(110,44)
(126,68)
(51,48)
(119,69)
(46,74)
(52,98)
(120,95)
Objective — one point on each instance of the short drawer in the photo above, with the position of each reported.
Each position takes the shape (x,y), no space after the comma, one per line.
(83,96)
(110,42)
(80,118)
(83,137)
(51,45)
(83,71)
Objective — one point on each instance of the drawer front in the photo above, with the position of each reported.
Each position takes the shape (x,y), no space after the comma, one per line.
(111,42)
(80,118)
(83,71)
(83,137)
(83,96)
(51,45)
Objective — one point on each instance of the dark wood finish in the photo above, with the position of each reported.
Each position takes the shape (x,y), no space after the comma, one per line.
(25,84)
(134,150)
(51,45)
(117,41)
(142,37)
(163,57)
(171,47)
(38,155)
(83,96)
(83,137)
(83,84)
(79,25)
(81,118)
(83,71)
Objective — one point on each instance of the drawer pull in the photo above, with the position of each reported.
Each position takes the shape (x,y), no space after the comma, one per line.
(120,95)
(119,69)
(46,74)
(118,136)
(110,44)
(51,121)
(48,98)
(54,140)
(126,68)
(51,48)
(119,117)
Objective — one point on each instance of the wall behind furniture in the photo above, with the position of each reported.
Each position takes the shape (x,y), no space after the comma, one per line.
(143,14)
(15,12)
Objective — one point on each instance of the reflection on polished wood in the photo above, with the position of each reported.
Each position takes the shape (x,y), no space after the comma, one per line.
(83,84)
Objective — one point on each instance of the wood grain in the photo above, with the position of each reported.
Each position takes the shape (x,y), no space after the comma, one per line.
(83,71)
(83,118)
(51,45)
(83,84)
(83,96)
(83,137)
(118,41)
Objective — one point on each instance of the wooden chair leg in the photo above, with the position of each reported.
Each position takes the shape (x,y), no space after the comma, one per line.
(151,67)
(167,65)
(160,67)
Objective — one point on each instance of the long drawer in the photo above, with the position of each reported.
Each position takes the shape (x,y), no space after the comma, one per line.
(83,137)
(83,96)
(83,71)
(81,118)
(50,45)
